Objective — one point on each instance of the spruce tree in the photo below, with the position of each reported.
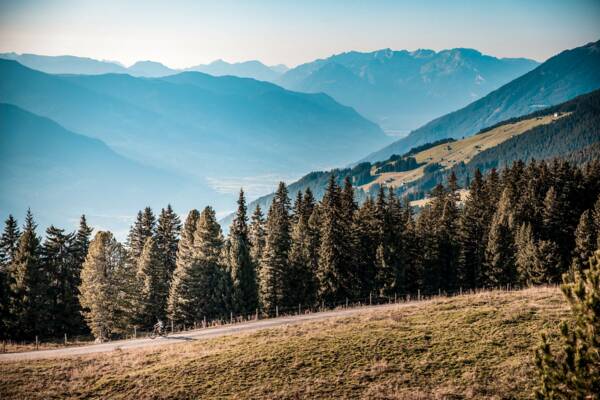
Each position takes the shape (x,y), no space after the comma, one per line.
(9,242)
(8,247)
(153,284)
(257,236)
(201,286)
(143,228)
(274,276)
(243,272)
(573,370)
(366,230)
(301,263)
(168,230)
(180,291)
(106,281)
(333,273)
(59,262)
(585,242)
(29,284)
(500,252)
(472,234)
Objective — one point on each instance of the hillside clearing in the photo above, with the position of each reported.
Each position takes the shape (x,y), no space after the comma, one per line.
(475,346)
(450,154)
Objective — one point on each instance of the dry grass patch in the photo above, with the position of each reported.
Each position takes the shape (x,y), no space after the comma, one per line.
(477,346)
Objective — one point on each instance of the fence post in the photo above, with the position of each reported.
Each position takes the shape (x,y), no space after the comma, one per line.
(346,302)
(171,326)
(276,311)
(418,294)
(322,305)
(135,332)
(65,339)
(395,298)
(370,298)
(231,317)
(461,290)
(256,315)
(36,342)
(299,308)
(204,321)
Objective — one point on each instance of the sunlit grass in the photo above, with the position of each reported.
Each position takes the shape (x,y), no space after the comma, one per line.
(476,346)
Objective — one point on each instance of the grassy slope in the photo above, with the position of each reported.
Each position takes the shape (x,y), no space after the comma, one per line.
(476,346)
(464,150)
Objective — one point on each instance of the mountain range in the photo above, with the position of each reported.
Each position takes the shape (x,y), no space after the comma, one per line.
(151,69)
(560,78)
(61,174)
(401,90)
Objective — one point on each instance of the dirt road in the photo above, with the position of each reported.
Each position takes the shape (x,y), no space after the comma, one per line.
(182,337)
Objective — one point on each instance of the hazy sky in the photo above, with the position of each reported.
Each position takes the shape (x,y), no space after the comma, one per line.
(183,33)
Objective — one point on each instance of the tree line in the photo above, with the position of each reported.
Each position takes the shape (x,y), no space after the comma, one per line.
(525,225)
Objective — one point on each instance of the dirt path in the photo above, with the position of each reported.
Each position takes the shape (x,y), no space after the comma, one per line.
(199,334)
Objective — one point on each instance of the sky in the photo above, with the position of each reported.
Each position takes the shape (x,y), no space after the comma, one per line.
(182,33)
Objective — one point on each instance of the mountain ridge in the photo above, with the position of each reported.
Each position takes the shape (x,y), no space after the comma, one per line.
(562,77)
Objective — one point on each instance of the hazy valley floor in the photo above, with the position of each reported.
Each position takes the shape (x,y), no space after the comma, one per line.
(475,346)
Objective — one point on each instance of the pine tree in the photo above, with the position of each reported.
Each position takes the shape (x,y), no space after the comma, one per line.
(59,263)
(29,284)
(153,284)
(573,370)
(500,252)
(257,236)
(8,248)
(180,291)
(472,234)
(333,273)
(274,271)
(596,219)
(301,263)
(585,242)
(143,228)
(168,230)
(366,230)
(9,242)
(106,281)
(243,272)
(200,287)
(530,268)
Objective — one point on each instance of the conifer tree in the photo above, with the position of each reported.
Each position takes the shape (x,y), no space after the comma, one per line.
(585,242)
(472,234)
(200,287)
(243,272)
(333,273)
(528,261)
(153,284)
(301,264)
(366,229)
(181,288)
(500,252)
(274,271)
(168,230)
(143,228)
(29,284)
(257,236)
(9,241)
(59,262)
(105,287)
(81,241)
(573,370)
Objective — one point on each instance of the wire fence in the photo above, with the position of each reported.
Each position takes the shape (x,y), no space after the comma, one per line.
(138,332)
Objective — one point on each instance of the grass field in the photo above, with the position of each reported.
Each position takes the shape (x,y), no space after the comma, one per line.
(476,346)
(464,150)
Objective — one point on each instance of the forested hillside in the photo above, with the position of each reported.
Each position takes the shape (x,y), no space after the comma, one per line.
(522,226)
(559,79)
(568,130)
